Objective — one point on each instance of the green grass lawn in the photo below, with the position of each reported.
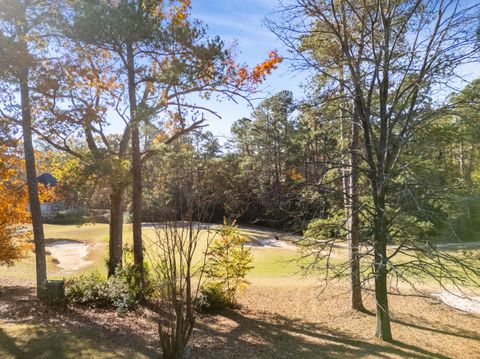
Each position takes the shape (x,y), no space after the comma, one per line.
(18,340)
(268,262)
(97,234)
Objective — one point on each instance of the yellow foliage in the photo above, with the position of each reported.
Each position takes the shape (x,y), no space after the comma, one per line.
(180,12)
(295,175)
(46,194)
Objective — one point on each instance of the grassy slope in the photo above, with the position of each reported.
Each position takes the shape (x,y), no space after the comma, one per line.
(269,262)
(281,317)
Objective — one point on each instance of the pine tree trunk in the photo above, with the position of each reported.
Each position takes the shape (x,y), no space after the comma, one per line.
(116,229)
(354,221)
(136,165)
(37,224)
(351,199)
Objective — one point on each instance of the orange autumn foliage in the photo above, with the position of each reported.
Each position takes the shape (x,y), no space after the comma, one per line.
(259,73)
(13,210)
(177,11)
(295,175)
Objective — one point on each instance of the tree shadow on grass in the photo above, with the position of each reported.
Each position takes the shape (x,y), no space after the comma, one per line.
(39,341)
(447,329)
(9,347)
(59,332)
(275,336)
(227,335)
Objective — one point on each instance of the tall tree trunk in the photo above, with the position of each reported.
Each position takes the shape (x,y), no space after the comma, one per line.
(116,229)
(384,331)
(354,220)
(377,177)
(136,165)
(379,185)
(351,176)
(37,224)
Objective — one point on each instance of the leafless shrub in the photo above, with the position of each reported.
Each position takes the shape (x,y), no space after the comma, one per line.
(178,255)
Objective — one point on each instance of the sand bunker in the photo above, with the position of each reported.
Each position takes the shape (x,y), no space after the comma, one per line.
(270,243)
(70,256)
(470,304)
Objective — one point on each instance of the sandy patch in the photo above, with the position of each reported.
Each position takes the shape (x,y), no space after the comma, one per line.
(466,303)
(270,243)
(70,256)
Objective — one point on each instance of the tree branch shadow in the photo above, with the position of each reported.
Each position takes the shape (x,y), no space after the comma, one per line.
(275,336)
(454,331)
(8,345)
(20,307)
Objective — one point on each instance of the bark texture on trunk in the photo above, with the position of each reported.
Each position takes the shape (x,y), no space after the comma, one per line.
(354,221)
(136,165)
(116,229)
(351,202)
(37,223)
(383,331)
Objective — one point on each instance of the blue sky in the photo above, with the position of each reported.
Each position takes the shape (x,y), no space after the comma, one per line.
(242,21)
(239,22)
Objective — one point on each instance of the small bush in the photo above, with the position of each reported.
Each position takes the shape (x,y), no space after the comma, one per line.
(95,291)
(212,298)
(229,261)
(131,276)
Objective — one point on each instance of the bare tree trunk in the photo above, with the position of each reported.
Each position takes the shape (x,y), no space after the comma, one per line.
(351,205)
(469,169)
(383,153)
(37,224)
(377,177)
(351,201)
(383,331)
(461,158)
(116,229)
(354,220)
(136,165)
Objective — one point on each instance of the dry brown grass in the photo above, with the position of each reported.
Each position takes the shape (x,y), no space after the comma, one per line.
(275,321)
(281,322)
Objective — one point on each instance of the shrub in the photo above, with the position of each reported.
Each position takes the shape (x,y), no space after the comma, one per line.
(178,279)
(76,216)
(330,228)
(95,291)
(211,298)
(229,261)
(132,277)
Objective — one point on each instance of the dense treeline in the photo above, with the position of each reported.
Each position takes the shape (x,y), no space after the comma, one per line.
(282,168)
(271,171)
(262,178)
